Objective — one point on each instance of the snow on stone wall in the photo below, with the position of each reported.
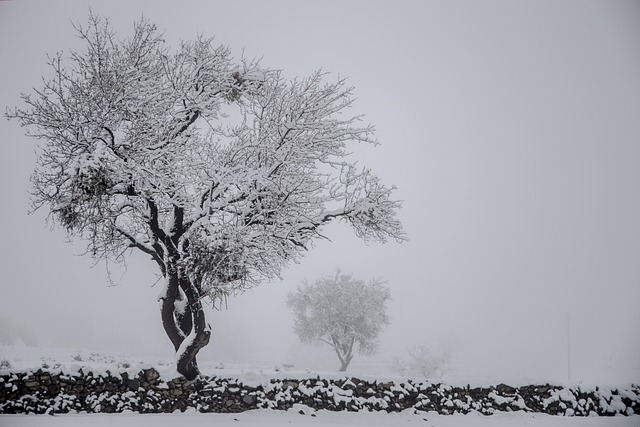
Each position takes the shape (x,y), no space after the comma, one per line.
(42,392)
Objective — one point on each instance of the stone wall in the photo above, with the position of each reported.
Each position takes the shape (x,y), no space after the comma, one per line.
(50,392)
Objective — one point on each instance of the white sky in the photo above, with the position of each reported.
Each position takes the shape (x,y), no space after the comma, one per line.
(511,129)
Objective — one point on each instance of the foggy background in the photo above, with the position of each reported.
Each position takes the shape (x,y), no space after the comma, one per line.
(510,128)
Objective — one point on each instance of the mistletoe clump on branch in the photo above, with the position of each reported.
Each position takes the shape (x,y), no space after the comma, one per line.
(221,171)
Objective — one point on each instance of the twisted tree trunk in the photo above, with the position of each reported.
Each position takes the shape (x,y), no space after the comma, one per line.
(197,338)
(184,321)
(167,301)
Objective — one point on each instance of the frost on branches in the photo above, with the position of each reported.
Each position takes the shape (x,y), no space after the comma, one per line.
(221,171)
(341,311)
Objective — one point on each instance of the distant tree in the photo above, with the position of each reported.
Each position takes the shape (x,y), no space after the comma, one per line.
(12,333)
(422,363)
(341,312)
(222,172)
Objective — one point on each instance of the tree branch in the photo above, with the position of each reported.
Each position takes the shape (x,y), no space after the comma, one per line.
(144,248)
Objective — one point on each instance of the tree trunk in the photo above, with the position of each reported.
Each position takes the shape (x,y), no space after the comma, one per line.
(184,322)
(199,336)
(344,352)
(167,301)
(183,314)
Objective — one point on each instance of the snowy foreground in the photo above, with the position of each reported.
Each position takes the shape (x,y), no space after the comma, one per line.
(27,359)
(270,418)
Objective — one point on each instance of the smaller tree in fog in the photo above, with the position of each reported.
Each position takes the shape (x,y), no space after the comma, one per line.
(341,311)
(421,362)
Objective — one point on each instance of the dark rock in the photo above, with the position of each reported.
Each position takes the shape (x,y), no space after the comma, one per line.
(290,384)
(506,390)
(151,374)
(385,386)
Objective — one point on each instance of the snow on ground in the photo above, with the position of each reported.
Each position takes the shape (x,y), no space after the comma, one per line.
(270,418)
(24,358)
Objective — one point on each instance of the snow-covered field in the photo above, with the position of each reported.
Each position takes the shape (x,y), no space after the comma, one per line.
(270,418)
(32,358)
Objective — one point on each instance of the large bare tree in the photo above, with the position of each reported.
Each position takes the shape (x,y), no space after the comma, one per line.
(221,171)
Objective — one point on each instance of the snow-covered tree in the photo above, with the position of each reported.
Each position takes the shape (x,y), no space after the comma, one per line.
(422,363)
(340,311)
(222,172)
